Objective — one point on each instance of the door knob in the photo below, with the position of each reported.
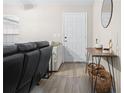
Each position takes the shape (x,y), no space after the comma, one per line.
(65,37)
(65,40)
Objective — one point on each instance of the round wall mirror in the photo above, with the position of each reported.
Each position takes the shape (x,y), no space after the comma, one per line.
(106,13)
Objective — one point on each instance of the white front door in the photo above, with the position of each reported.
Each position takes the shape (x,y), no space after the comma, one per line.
(75,37)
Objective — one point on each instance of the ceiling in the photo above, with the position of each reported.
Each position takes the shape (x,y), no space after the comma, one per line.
(84,2)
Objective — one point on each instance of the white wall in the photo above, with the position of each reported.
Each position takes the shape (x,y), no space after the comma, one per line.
(44,22)
(112,32)
(114,29)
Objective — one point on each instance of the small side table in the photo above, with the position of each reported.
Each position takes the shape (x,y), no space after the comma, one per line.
(97,53)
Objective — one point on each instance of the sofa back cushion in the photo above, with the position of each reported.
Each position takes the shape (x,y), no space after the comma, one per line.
(42,44)
(9,50)
(25,47)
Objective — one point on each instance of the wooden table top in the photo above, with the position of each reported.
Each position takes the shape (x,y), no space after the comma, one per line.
(98,53)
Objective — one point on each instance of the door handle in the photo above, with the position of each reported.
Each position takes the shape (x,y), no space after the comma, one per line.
(65,37)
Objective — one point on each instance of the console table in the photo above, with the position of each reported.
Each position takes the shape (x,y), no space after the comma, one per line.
(98,54)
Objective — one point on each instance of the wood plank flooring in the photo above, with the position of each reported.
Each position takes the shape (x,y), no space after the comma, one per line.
(71,78)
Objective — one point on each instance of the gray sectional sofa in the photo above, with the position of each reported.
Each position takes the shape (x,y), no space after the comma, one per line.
(24,64)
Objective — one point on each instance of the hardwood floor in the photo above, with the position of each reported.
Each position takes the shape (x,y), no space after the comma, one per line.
(71,78)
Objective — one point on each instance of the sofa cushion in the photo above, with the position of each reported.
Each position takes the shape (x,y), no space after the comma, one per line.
(24,47)
(42,44)
(43,66)
(9,49)
(31,62)
(12,69)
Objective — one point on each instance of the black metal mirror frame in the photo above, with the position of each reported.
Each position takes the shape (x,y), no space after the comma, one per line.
(110,15)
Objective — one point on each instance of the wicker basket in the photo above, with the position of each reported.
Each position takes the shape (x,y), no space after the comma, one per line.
(104,79)
(93,68)
(104,82)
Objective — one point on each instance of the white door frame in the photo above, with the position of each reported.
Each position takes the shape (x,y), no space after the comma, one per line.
(86,35)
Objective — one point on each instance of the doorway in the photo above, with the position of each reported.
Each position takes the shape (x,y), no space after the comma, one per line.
(75,36)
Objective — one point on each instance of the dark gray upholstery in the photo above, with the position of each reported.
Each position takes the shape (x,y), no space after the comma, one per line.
(24,65)
(42,44)
(45,54)
(12,68)
(24,47)
(44,59)
(9,50)
(30,64)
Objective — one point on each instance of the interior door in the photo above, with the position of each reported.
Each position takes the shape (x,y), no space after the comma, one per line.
(75,38)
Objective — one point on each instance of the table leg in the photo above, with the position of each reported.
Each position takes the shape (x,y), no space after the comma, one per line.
(109,66)
(99,60)
(113,80)
(92,79)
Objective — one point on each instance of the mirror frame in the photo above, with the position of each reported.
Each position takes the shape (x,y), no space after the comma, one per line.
(107,24)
